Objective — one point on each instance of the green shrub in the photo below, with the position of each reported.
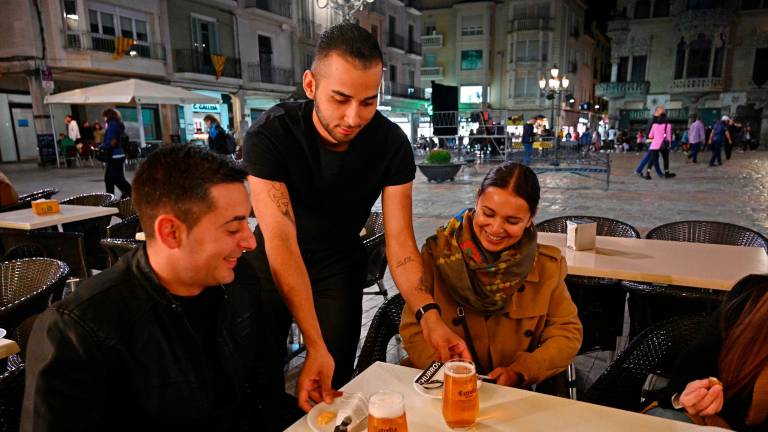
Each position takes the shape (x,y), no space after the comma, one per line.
(438,157)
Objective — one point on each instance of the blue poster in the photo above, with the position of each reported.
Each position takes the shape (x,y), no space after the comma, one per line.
(23,123)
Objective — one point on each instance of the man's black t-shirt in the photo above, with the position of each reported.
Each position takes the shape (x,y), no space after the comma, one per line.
(331,192)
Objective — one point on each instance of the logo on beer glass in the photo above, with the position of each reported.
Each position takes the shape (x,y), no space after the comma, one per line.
(386,412)
(461,401)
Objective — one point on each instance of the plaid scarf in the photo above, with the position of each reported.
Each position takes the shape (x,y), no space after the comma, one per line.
(473,276)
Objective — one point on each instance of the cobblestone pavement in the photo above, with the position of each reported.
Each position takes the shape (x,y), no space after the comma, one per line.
(736,192)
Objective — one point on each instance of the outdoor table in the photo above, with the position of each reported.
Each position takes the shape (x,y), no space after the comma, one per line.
(7,348)
(699,265)
(25,219)
(503,408)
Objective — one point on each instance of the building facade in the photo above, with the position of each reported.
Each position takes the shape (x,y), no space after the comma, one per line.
(705,57)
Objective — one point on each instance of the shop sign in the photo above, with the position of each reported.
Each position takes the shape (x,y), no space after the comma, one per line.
(205,108)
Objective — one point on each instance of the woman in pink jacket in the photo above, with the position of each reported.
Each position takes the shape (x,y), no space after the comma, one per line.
(660,136)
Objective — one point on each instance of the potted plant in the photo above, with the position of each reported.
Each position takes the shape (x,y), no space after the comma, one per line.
(438,166)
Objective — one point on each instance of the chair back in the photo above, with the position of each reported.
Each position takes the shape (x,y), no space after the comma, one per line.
(117,247)
(25,201)
(93,229)
(26,286)
(655,350)
(605,226)
(384,326)
(11,397)
(66,247)
(98,199)
(125,229)
(376,250)
(125,208)
(709,232)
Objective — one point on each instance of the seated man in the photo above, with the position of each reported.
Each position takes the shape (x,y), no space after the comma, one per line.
(158,340)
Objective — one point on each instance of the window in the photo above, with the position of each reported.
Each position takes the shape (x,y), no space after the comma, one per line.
(265,58)
(107,21)
(411,78)
(392,73)
(661,8)
(375,31)
(430,60)
(526,84)
(410,38)
(471,59)
(102,23)
(472,25)
(532,50)
(643,9)
(540,10)
(205,36)
(308,59)
(698,57)
(680,59)
(69,7)
(760,69)
(638,68)
(623,69)
(717,61)
(430,29)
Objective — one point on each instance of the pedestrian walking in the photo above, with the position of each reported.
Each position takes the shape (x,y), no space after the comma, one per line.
(717,138)
(660,136)
(528,136)
(696,136)
(114,174)
(217,136)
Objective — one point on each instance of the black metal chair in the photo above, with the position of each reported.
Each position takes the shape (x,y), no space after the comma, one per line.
(11,397)
(125,208)
(376,248)
(654,351)
(600,301)
(66,247)
(650,303)
(26,286)
(25,201)
(125,229)
(384,326)
(117,247)
(93,229)
(20,335)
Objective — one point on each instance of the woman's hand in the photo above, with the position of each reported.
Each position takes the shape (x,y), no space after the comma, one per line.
(506,377)
(699,398)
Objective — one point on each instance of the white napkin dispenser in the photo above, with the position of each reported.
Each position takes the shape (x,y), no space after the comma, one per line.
(581,234)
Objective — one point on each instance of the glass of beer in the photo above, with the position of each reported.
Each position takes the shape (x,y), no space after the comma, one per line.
(461,402)
(386,412)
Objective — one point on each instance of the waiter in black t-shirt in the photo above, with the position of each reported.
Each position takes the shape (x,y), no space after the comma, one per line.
(316,169)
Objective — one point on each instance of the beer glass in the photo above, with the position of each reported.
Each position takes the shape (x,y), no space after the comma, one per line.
(461,402)
(386,412)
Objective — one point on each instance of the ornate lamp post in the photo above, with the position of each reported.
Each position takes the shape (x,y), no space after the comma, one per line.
(346,8)
(553,88)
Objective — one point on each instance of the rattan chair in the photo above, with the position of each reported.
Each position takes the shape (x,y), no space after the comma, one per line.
(93,229)
(376,249)
(26,286)
(600,301)
(117,247)
(125,208)
(384,326)
(66,247)
(11,397)
(654,351)
(649,303)
(25,201)
(20,335)
(125,229)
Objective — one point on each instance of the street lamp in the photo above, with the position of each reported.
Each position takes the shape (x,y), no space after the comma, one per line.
(346,8)
(552,88)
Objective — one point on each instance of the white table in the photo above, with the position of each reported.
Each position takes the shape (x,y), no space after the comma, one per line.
(26,219)
(666,262)
(7,348)
(504,408)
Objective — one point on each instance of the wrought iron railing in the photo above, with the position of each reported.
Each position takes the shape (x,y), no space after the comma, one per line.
(194,61)
(278,7)
(87,41)
(270,74)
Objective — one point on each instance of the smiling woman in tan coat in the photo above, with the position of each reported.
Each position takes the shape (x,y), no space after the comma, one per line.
(498,289)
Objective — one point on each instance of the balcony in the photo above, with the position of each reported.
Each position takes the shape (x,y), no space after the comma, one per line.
(87,41)
(615,90)
(543,23)
(277,7)
(432,73)
(434,40)
(270,74)
(696,85)
(413,6)
(394,89)
(396,41)
(414,48)
(194,61)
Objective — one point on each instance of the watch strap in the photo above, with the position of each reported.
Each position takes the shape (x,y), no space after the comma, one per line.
(426,308)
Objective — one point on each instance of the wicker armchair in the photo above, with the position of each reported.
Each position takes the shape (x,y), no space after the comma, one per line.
(26,286)
(652,303)
(384,326)
(66,247)
(600,301)
(93,229)
(25,201)
(125,208)
(655,350)
(376,248)
(11,397)
(125,229)
(117,247)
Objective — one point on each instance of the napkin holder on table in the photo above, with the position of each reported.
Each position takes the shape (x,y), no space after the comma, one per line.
(581,234)
(46,207)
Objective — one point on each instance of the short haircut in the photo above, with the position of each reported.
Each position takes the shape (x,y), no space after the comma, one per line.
(351,41)
(516,178)
(211,118)
(177,179)
(111,114)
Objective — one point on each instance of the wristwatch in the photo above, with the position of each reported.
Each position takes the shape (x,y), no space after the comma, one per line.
(426,308)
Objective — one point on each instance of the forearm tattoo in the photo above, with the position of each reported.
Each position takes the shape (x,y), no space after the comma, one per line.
(404,261)
(279,197)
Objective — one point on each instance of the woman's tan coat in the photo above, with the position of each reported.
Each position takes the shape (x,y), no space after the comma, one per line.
(538,335)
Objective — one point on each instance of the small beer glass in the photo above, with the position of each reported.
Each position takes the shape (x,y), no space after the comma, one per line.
(386,412)
(461,402)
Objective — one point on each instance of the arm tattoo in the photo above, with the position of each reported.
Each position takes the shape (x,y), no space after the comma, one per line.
(279,196)
(404,261)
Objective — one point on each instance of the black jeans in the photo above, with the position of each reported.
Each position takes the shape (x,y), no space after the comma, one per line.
(716,156)
(728,147)
(664,151)
(114,175)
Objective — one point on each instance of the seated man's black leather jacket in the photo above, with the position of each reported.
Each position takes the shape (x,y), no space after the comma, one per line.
(119,354)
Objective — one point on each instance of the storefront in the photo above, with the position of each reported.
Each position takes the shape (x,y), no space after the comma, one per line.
(191,124)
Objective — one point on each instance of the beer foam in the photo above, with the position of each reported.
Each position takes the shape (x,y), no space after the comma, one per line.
(386,405)
(459,369)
